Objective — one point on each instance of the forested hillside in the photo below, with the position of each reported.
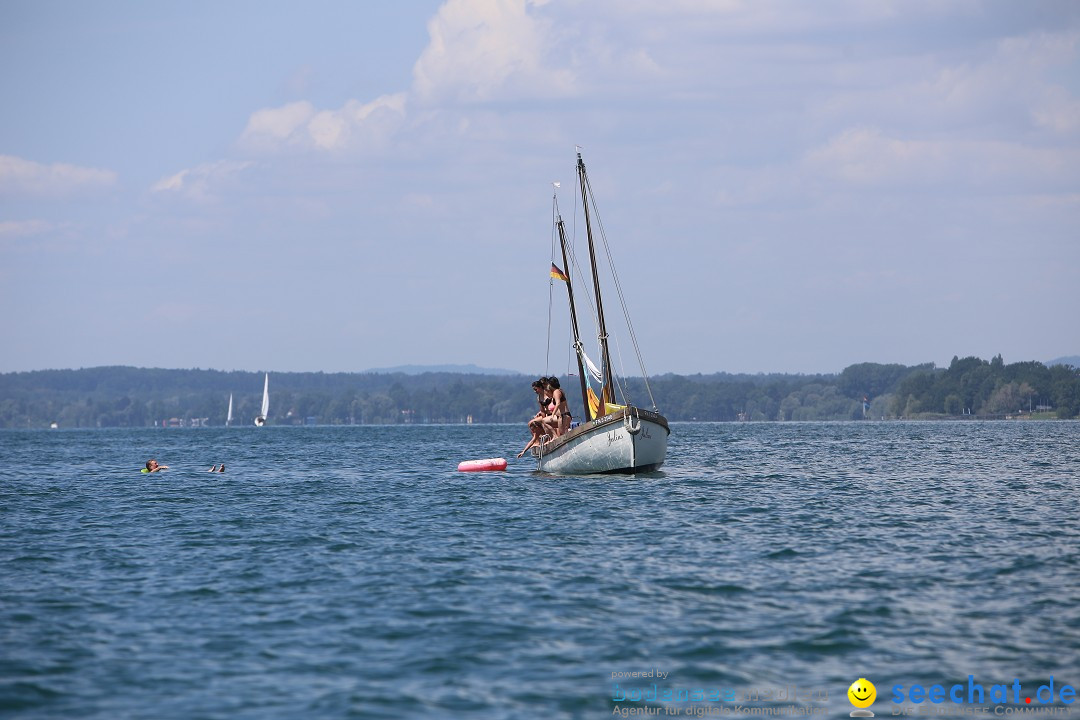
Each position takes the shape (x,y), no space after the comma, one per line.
(137,397)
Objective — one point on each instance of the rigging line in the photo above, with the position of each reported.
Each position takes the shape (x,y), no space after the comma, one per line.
(571,354)
(581,280)
(622,299)
(571,350)
(584,279)
(570,271)
(619,382)
(573,268)
(551,284)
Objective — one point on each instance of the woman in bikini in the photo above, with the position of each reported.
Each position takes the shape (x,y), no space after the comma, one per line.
(560,418)
(538,424)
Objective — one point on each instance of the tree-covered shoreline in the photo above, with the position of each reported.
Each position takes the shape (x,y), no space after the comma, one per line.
(146,397)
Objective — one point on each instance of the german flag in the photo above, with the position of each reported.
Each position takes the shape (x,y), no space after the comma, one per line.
(558,274)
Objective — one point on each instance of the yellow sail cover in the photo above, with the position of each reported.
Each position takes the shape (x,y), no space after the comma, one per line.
(594,406)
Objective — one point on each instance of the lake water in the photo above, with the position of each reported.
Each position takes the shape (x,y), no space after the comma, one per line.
(353,573)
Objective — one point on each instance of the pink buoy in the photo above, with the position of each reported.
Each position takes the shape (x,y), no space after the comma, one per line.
(482,465)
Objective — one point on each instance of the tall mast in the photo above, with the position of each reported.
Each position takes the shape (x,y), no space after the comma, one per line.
(573,315)
(606,394)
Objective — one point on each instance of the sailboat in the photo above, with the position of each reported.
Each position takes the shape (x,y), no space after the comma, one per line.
(228,417)
(260,419)
(613,437)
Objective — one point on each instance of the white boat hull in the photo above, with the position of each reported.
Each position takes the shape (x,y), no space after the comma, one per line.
(607,445)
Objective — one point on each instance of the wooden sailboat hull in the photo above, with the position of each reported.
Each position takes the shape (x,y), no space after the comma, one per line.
(630,440)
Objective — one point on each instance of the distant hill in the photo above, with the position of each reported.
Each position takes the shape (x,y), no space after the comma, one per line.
(153,397)
(1073,360)
(460,369)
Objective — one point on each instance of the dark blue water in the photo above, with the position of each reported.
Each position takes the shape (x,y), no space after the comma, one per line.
(351,572)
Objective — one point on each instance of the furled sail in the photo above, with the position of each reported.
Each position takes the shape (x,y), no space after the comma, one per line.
(594,400)
(593,370)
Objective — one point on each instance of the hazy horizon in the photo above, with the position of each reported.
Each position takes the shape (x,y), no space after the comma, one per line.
(786,187)
(477,370)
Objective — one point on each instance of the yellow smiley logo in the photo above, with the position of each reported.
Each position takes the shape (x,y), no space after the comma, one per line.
(862,693)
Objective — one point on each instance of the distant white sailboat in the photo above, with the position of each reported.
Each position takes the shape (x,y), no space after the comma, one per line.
(228,418)
(261,419)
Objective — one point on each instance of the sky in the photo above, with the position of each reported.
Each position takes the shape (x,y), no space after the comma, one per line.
(338,186)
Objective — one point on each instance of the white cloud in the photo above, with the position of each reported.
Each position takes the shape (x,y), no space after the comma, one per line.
(790,102)
(24,228)
(355,126)
(200,183)
(483,50)
(995,89)
(478,52)
(867,157)
(1058,111)
(270,127)
(19,175)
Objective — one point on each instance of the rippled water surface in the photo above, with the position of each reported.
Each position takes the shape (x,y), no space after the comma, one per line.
(352,572)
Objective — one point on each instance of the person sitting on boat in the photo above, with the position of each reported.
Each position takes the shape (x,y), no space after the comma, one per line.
(538,423)
(560,418)
(547,404)
(152,466)
(551,404)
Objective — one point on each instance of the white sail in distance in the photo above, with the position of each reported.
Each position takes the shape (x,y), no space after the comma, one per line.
(261,419)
